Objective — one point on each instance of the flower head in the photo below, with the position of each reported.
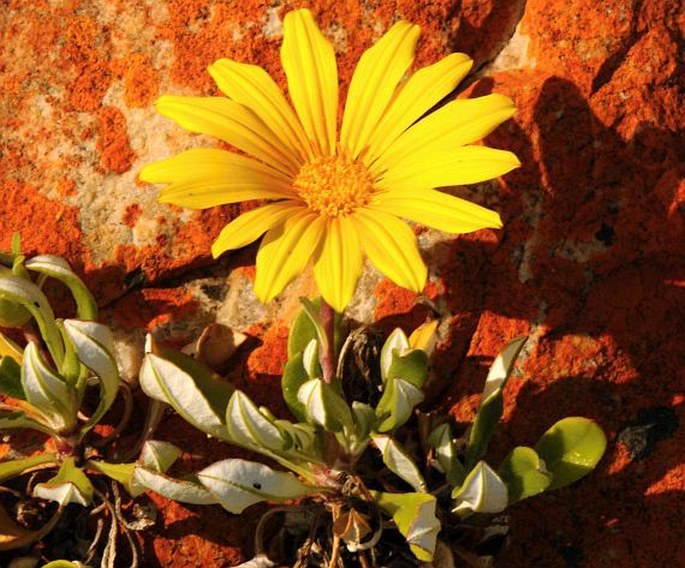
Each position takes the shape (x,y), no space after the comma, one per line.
(330,199)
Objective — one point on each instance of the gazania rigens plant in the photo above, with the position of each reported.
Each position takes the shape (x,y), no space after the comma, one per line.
(61,379)
(364,461)
(333,197)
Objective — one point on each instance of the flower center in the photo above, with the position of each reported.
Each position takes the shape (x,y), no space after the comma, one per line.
(334,185)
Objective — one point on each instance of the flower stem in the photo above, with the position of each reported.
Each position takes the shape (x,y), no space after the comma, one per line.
(335,553)
(328,352)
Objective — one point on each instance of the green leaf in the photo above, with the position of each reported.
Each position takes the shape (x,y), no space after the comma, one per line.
(396,404)
(94,347)
(310,360)
(294,376)
(396,344)
(65,564)
(399,462)
(18,268)
(524,473)
(70,485)
(325,407)
(364,417)
(304,329)
(28,295)
(216,390)
(121,472)
(307,326)
(440,439)
(414,516)
(302,439)
(16,243)
(492,405)
(47,392)
(248,427)
(202,407)
(571,449)
(158,456)
(181,490)
(237,484)
(13,314)
(59,269)
(71,370)
(10,378)
(13,468)
(482,492)
(17,419)
(411,367)
(502,366)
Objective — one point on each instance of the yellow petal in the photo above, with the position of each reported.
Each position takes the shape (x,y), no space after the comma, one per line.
(446,167)
(377,74)
(252,87)
(418,95)
(309,63)
(206,177)
(285,251)
(391,246)
(252,225)
(338,267)
(459,122)
(436,209)
(231,122)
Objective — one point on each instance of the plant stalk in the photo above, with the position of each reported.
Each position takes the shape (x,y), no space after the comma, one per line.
(335,553)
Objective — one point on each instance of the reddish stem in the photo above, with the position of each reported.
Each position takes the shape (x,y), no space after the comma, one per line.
(66,445)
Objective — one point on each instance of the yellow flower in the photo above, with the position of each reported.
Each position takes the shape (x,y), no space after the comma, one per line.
(333,198)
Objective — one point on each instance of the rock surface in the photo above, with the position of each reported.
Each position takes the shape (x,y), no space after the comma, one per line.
(590,263)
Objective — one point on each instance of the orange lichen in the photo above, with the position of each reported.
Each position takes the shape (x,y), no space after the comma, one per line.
(673,482)
(194,238)
(131,215)
(481,27)
(130,258)
(394,300)
(23,208)
(248,272)
(141,79)
(270,357)
(168,306)
(116,154)
(12,81)
(66,187)
(201,32)
(84,49)
(212,539)
(88,90)
(153,307)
